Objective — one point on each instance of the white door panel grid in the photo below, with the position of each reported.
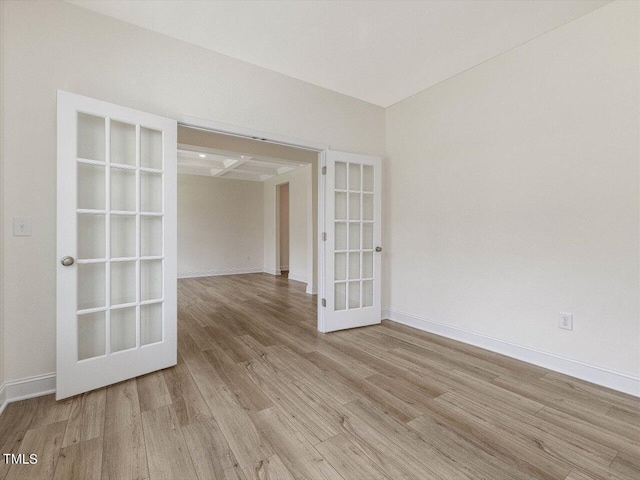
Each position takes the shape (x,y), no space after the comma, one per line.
(116,244)
(353,241)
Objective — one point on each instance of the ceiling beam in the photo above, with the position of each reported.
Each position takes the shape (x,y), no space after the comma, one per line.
(229,165)
(244,175)
(252,167)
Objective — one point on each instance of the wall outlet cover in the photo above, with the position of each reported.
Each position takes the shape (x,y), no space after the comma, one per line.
(566,321)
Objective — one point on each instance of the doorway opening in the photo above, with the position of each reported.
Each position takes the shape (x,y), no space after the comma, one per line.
(282,225)
(246,206)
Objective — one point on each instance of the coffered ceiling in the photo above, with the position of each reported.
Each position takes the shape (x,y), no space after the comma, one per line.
(196,160)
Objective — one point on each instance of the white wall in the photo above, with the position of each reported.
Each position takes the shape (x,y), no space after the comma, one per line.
(220,226)
(55,45)
(300,222)
(283,220)
(512,194)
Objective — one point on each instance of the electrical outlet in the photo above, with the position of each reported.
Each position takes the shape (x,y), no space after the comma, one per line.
(566,321)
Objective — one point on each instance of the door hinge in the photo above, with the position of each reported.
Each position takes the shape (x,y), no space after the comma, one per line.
(324,170)
(324,302)
(324,236)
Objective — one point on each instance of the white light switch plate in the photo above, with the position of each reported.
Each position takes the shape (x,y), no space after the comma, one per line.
(21,226)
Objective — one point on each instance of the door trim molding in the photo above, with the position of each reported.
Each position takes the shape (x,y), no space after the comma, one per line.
(238,131)
(621,382)
(24,388)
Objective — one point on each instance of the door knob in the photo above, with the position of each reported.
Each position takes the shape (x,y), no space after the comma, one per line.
(67,261)
(378,249)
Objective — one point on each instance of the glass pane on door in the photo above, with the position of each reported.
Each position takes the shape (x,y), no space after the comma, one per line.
(367,236)
(150,236)
(123,190)
(123,329)
(341,176)
(91,137)
(91,335)
(150,192)
(340,296)
(150,148)
(341,236)
(367,293)
(123,143)
(151,323)
(91,187)
(151,279)
(91,286)
(92,240)
(123,236)
(123,282)
(367,178)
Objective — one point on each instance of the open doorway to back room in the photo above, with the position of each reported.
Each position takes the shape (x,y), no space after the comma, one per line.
(246,217)
(282,196)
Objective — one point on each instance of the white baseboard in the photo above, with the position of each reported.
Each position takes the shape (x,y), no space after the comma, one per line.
(215,273)
(271,271)
(3,398)
(297,278)
(29,387)
(311,290)
(574,368)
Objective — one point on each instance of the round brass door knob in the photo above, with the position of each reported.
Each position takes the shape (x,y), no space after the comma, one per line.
(67,261)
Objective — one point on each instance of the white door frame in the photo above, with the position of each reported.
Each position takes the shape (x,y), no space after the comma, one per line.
(321,149)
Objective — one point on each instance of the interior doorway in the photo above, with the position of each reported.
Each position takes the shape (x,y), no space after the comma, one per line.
(282,234)
(246,206)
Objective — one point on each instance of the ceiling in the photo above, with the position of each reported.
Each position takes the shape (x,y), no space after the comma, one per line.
(378,51)
(196,160)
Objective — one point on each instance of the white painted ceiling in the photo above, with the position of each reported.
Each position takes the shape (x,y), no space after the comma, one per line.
(196,160)
(378,51)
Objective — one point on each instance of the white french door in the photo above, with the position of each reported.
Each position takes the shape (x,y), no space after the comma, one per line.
(116,244)
(352,250)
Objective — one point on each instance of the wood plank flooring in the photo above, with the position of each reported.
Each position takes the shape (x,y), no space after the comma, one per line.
(258,393)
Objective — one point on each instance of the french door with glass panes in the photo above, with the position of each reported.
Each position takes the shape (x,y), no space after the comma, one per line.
(116,277)
(352,247)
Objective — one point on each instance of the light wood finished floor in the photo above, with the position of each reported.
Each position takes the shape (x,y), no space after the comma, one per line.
(258,393)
